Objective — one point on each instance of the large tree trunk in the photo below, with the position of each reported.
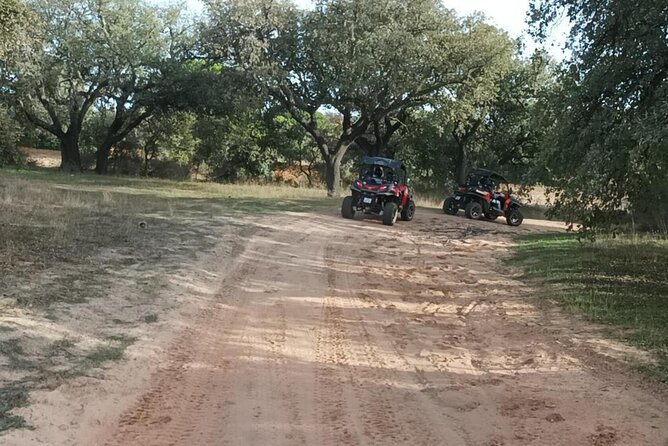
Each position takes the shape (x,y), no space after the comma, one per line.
(125,121)
(102,157)
(462,164)
(333,166)
(333,175)
(144,167)
(70,155)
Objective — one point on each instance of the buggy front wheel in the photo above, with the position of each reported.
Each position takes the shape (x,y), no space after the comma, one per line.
(347,210)
(408,212)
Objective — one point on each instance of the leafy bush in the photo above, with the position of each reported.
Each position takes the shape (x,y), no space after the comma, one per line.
(9,135)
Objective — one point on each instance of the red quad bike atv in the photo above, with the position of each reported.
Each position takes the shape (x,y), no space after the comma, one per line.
(478,197)
(383,188)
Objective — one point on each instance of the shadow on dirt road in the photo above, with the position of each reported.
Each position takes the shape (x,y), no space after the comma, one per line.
(315,330)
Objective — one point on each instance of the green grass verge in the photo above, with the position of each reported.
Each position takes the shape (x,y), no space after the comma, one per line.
(619,282)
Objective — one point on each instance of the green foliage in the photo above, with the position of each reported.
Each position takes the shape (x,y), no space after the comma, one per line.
(608,150)
(495,120)
(173,133)
(232,148)
(166,136)
(292,143)
(105,55)
(36,137)
(424,146)
(9,135)
(519,119)
(364,60)
(149,44)
(619,282)
(464,112)
(15,23)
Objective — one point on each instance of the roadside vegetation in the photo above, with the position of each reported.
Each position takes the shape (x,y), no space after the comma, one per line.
(620,282)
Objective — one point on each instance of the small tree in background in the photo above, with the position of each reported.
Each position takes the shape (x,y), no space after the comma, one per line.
(104,54)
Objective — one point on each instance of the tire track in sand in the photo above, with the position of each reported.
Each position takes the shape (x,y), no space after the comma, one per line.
(333,371)
(185,390)
(386,419)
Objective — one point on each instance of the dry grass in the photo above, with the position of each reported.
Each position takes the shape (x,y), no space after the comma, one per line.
(431,199)
(50,220)
(42,157)
(46,215)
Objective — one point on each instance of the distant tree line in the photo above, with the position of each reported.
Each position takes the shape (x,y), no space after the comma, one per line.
(128,86)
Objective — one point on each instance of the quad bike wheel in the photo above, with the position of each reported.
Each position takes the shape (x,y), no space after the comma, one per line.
(390,213)
(450,206)
(347,210)
(491,217)
(408,212)
(515,217)
(474,210)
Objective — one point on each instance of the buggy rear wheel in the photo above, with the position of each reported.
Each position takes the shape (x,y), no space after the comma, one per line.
(474,210)
(390,213)
(450,206)
(515,217)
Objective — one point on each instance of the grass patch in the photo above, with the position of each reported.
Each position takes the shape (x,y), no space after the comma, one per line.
(619,282)
(151,318)
(16,359)
(278,194)
(106,353)
(12,395)
(57,223)
(113,351)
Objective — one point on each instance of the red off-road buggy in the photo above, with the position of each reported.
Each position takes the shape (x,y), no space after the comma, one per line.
(479,198)
(383,188)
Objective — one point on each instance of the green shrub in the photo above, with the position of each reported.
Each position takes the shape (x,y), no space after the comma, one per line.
(10,132)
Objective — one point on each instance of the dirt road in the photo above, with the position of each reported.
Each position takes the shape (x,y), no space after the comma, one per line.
(323,331)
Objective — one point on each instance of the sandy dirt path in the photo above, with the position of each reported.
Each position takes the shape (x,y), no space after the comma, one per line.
(325,331)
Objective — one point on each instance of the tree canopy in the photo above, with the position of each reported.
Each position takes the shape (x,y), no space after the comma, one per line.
(15,21)
(607,148)
(255,85)
(366,60)
(95,54)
